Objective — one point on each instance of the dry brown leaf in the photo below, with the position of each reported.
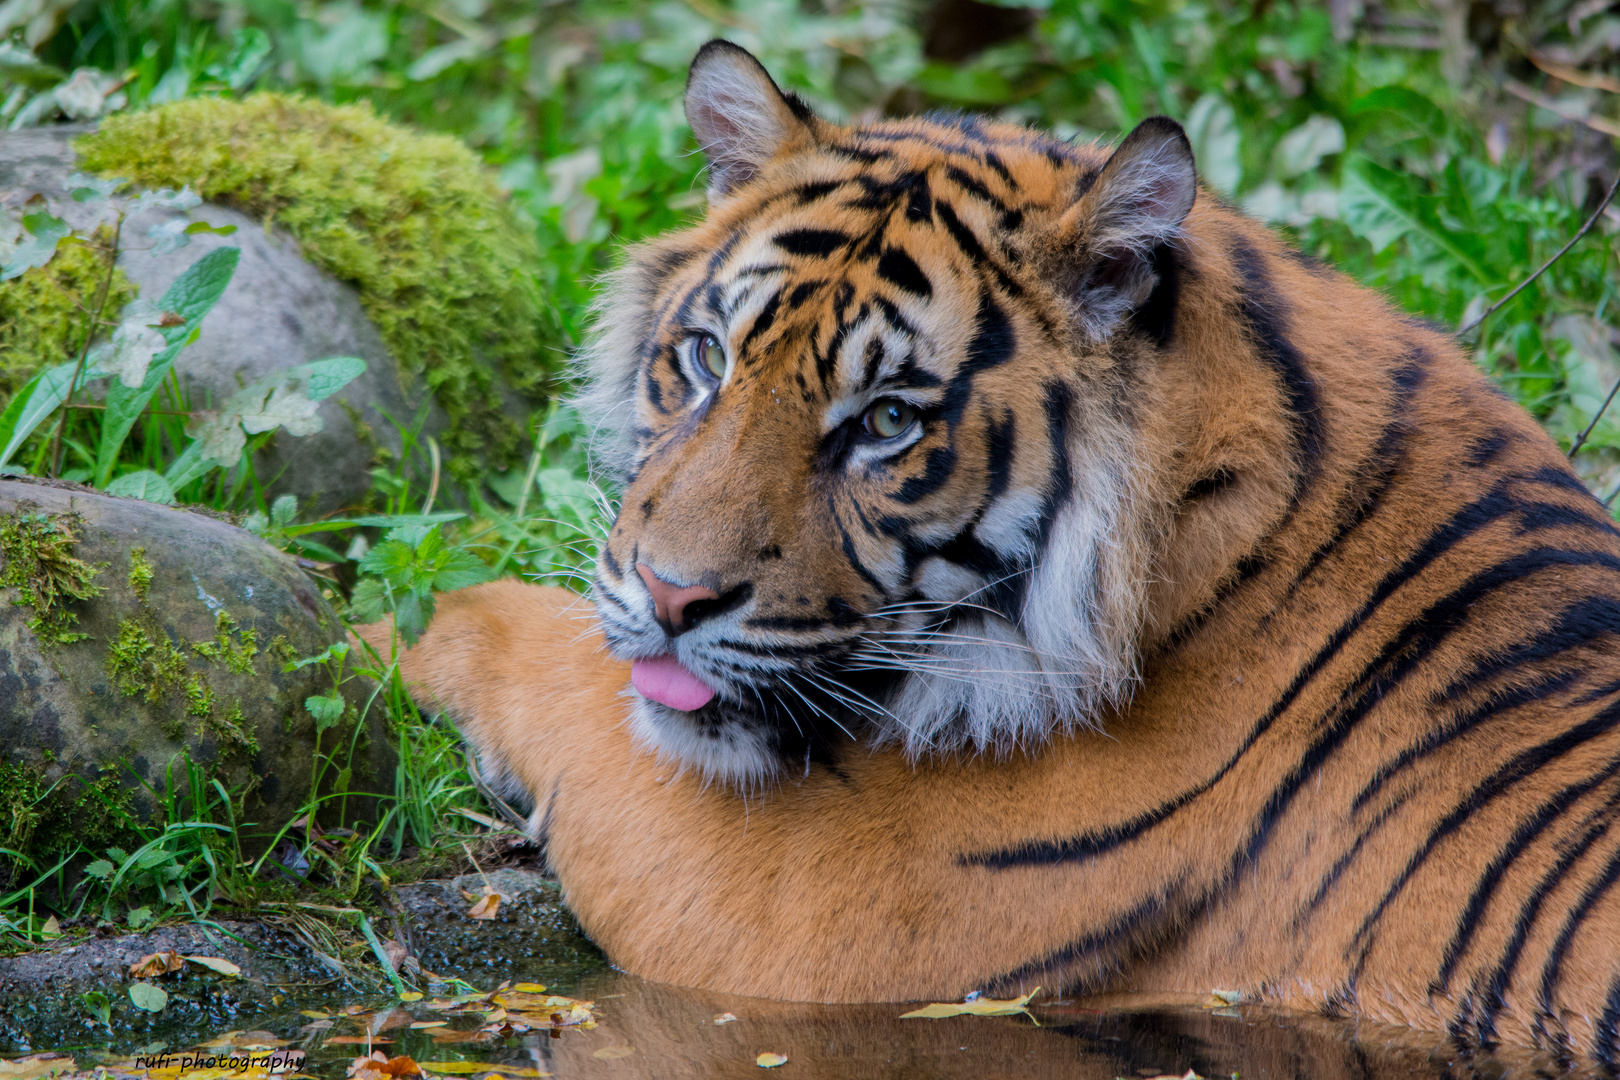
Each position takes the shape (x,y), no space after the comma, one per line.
(215,963)
(487,905)
(447,1038)
(152,965)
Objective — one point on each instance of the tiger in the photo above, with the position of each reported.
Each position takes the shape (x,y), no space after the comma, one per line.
(1030,570)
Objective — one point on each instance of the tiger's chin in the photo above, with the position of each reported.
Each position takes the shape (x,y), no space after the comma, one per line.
(715,741)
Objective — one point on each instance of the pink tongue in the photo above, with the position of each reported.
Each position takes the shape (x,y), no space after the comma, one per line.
(666,681)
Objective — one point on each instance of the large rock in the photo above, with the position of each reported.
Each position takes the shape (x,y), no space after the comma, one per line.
(278,313)
(181,652)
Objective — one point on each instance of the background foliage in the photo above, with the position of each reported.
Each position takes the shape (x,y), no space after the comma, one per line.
(1438,150)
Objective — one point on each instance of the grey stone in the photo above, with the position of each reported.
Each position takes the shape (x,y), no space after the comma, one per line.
(67,707)
(279,312)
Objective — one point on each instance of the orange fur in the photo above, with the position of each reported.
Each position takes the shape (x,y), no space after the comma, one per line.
(1344,780)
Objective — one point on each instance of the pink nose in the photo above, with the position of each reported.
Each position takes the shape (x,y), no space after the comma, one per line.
(670,601)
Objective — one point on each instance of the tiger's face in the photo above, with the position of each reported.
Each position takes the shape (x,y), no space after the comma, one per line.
(871,418)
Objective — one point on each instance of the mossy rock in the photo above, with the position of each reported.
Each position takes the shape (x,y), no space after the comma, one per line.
(134,637)
(416,222)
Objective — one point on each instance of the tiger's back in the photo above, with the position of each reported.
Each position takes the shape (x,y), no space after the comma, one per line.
(1332,713)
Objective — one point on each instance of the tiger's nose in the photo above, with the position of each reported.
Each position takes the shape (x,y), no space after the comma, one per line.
(674,605)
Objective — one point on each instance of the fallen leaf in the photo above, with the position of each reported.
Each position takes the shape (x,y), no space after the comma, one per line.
(769,1060)
(152,965)
(422,1025)
(1222,999)
(469,1068)
(148,997)
(486,906)
(51,929)
(388,1020)
(411,995)
(35,1066)
(356,1040)
(725,1018)
(977,1007)
(313,1015)
(528,988)
(214,963)
(611,1053)
(446,1038)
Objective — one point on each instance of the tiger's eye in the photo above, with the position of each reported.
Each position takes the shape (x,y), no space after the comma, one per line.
(712,355)
(889,418)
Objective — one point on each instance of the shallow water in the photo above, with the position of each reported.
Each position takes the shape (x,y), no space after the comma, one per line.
(655,1031)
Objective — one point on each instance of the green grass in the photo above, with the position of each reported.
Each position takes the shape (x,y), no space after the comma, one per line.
(1388,150)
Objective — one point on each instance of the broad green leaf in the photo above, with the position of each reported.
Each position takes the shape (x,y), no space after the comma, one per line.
(196,228)
(192,295)
(191,464)
(101,868)
(1384,206)
(219,438)
(139,917)
(323,378)
(399,521)
(327,710)
(1407,106)
(978,1007)
(45,232)
(286,406)
(368,602)
(130,353)
(38,399)
(149,997)
(250,47)
(144,484)
(1217,143)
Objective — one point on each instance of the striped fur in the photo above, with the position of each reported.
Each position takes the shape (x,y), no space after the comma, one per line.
(1215,625)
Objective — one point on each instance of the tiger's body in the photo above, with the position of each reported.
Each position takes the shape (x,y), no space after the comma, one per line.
(1210,625)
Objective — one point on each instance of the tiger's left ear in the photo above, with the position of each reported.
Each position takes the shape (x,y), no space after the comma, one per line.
(740,116)
(1135,206)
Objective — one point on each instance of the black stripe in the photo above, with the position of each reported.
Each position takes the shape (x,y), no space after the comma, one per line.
(993,344)
(819,242)
(1262,309)
(809,193)
(762,321)
(1057,401)
(1000,448)
(802,292)
(1501,978)
(1336,871)
(940,467)
(971,247)
(901,270)
(1523,764)
(1576,918)
(1489,881)
(1463,524)
(1582,624)
(976,189)
(1608,1025)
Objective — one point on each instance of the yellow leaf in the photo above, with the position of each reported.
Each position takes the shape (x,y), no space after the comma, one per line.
(610,1053)
(313,1015)
(769,1060)
(410,995)
(486,906)
(214,963)
(528,988)
(979,1007)
(51,929)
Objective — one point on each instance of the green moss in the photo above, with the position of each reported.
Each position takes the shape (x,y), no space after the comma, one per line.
(144,663)
(443,266)
(199,698)
(140,573)
(231,729)
(41,319)
(41,819)
(39,564)
(236,655)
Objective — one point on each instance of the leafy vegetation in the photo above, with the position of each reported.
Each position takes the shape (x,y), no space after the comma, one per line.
(1436,151)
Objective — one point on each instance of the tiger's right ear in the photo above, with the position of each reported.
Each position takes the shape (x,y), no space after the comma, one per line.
(741,117)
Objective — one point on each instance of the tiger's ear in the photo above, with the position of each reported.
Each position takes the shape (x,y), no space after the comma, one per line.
(1135,206)
(740,116)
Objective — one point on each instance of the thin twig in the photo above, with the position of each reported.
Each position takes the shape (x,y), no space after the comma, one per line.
(1541,101)
(1608,197)
(1575,76)
(84,353)
(433,485)
(1581,439)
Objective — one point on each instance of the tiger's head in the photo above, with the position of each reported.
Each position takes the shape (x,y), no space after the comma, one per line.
(873,423)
